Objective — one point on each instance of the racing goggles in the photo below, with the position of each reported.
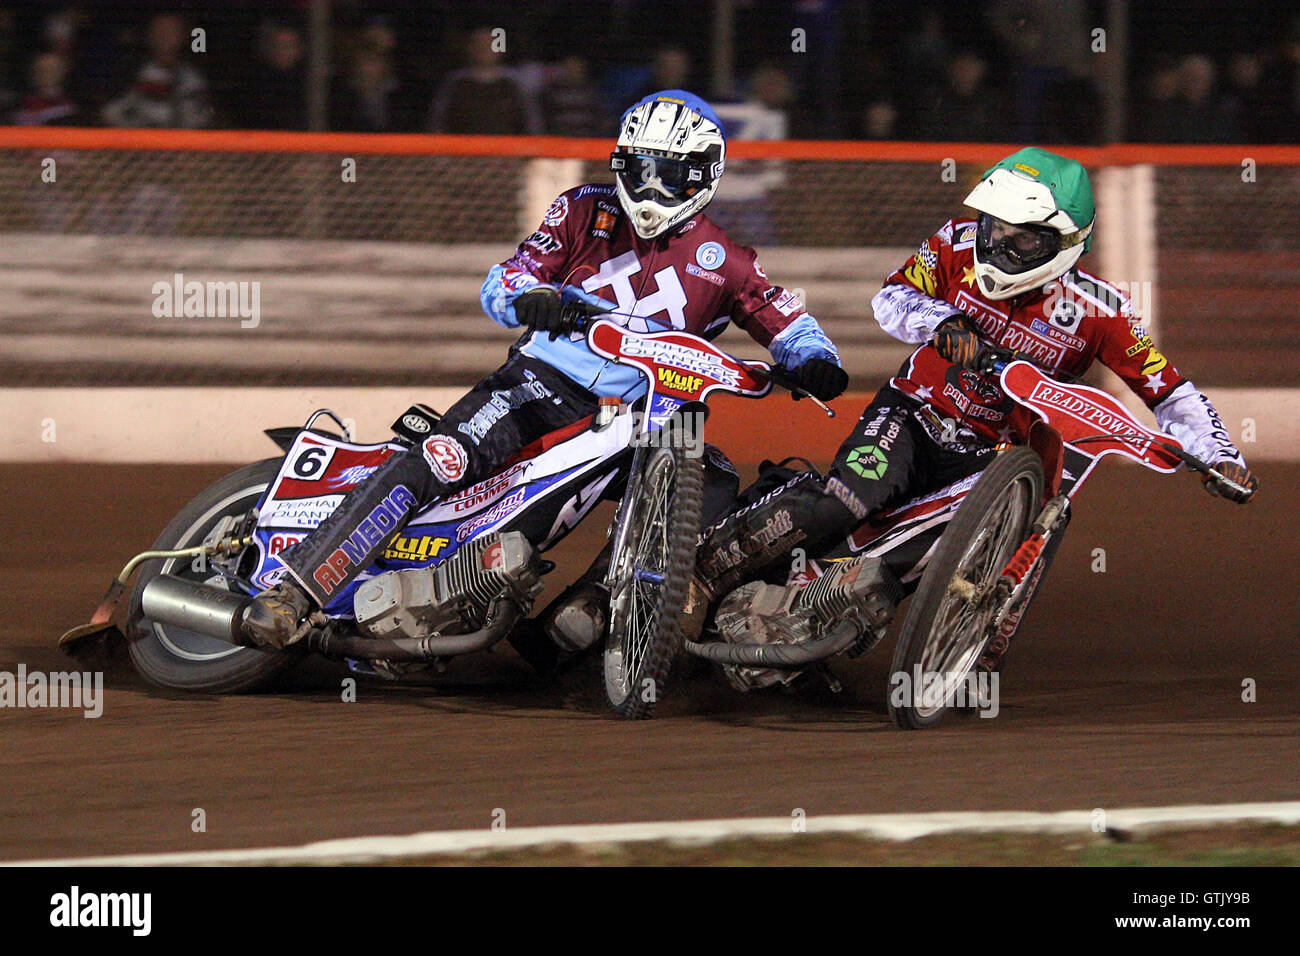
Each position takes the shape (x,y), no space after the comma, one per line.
(665,179)
(1015,248)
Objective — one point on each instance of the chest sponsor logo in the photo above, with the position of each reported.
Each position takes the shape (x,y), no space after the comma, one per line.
(602,224)
(1009,334)
(705,274)
(1065,338)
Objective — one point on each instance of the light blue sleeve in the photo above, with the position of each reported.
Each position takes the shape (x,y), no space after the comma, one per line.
(801,340)
(499,291)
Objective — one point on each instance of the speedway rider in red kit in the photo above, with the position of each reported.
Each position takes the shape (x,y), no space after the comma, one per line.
(642,247)
(1008,279)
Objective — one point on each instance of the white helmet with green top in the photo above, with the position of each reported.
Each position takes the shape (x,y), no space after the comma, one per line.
(1036,217)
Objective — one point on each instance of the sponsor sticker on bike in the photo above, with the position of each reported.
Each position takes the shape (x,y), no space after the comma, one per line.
(446,458)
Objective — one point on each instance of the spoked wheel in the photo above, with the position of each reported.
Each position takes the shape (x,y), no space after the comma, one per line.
(948,624)
(650,579)
(170,656)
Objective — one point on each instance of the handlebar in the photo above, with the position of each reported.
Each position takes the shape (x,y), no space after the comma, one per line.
(782,376)
(1186,457)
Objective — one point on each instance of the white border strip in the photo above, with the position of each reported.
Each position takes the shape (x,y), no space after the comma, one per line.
(884,826)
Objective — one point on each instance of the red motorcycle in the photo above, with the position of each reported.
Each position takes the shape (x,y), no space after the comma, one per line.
(974,553)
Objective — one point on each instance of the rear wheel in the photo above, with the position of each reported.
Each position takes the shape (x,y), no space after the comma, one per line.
(948,623)
(650,578)
(172,657)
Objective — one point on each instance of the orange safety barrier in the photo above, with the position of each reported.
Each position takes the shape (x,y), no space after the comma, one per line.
(557,147)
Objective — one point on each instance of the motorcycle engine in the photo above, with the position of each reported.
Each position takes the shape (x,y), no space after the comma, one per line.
(454,597)
(862,591)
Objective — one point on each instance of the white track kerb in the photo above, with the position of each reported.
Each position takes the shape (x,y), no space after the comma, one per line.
(885,826)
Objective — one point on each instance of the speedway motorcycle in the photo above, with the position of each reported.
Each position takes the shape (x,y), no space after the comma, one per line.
(467,568)
(972,554)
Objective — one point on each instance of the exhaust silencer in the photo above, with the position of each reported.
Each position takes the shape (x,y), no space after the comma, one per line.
(196,607)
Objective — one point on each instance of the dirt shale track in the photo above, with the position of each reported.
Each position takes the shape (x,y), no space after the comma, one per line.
(1125,689)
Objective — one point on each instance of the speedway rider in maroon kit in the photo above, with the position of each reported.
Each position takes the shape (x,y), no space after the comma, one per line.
(1007,279)
(641,247)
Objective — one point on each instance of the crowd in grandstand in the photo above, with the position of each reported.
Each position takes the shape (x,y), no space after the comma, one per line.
(1007,70)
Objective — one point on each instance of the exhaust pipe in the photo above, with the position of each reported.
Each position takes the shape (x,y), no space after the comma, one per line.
(196,607)
(841,638)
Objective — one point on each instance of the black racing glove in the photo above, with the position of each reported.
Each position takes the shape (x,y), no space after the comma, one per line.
(957,341)
(822,378)
(541,310)
(1233,472)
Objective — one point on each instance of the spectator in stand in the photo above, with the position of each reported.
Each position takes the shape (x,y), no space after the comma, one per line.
(166,91)
(1280,89)
(742,205)
(1246,96)
(880,120)
(570,102)
(1203,114)
(367,100)
(964,110)
(1156,120)
(483,97)
(1044,44)
(9,60)
(1071,112)
(46,103)
(276,83)
(670,70)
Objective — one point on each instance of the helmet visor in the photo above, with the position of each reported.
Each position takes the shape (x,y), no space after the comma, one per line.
(1015,248)
(667,180)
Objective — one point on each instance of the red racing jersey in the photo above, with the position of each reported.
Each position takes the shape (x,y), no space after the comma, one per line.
(1064,327)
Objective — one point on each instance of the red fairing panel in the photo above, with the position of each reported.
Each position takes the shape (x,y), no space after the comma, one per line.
(1079,412)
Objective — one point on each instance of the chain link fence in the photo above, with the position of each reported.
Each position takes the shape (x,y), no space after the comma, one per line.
(377,265)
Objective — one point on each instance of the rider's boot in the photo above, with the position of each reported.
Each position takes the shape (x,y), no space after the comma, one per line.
(562,634)
(340,548)
(806,512)
(274,618)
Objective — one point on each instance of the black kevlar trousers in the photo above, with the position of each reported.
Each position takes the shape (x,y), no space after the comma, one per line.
(514,406)
(892,454)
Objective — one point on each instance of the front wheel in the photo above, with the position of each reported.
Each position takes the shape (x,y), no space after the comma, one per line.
(650,578)
(948,623)
(172,657)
